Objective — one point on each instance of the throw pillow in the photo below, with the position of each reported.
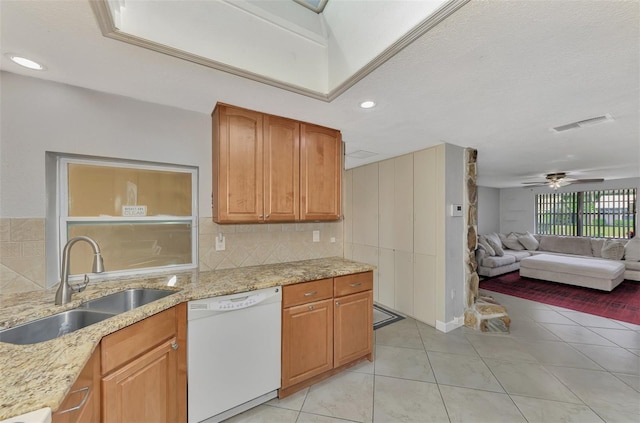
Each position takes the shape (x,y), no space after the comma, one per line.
(496,247)
(483,241)
(612,249)
(511,241)
(494,237)
(528,241)
(632,250)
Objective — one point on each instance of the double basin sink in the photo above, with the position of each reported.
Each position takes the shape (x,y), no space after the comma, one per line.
(87,314)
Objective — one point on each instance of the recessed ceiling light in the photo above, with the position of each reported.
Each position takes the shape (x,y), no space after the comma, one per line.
(368,104)
(27,63)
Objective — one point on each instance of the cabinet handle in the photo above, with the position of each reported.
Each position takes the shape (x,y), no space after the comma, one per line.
(355,284)
(174,345)
(337,303)
(87,390)
(267,216)
(260,216)
(310,307)
(310,294)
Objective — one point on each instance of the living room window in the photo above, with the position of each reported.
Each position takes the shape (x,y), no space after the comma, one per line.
(143,215)
(605,213)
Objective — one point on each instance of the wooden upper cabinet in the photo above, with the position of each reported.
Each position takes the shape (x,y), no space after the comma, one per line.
(281,169)
(237,165)
(273,169)
(320,172)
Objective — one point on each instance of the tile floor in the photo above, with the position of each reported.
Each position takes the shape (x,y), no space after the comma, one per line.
(557,365)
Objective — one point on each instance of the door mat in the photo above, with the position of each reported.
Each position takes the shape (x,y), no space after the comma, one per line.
(623,303)
(383,317)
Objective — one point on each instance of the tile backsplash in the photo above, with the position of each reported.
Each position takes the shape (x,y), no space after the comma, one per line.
(22,247)
(22,266)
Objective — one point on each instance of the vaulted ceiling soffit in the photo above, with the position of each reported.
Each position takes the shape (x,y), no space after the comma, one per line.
(280,42)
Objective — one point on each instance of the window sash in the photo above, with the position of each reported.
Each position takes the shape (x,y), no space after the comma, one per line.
(600,213)
(65,222)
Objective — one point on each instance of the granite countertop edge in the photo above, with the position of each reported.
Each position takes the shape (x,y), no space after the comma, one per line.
(40,375)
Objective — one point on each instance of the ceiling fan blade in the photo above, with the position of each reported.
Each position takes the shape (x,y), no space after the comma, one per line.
(584,181)
(534,184)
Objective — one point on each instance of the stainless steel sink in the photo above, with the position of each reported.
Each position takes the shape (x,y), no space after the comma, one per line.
(126,300)
(52,326)
(91,312)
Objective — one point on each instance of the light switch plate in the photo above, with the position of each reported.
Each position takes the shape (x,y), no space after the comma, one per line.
(316,236)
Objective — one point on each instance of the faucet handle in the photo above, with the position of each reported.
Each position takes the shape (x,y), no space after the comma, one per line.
(81,286)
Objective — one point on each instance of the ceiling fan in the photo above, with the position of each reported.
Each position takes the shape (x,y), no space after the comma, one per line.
(559,179)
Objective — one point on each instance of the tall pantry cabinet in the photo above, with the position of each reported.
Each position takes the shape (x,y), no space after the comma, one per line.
(408,215)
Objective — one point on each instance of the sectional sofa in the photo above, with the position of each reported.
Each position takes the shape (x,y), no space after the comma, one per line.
(593,262)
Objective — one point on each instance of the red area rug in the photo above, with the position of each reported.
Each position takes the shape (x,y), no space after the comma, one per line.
(623,303)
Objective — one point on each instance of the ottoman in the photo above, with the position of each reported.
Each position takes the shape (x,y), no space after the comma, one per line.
(593,273)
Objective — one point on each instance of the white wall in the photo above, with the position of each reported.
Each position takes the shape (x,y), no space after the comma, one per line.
(455,234)
(488,210)
(517,205)
(40,116)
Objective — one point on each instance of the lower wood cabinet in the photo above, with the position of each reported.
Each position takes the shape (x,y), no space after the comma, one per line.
(82,403)
(309,350)
(145,389)
(353,327)
(144,370)
(137,374)
(327,325)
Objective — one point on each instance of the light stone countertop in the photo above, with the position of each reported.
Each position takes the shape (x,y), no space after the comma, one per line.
(40,375)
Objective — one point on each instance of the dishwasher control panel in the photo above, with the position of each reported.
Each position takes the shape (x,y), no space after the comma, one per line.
(235,301)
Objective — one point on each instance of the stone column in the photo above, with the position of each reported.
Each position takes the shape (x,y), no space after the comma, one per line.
(482,312)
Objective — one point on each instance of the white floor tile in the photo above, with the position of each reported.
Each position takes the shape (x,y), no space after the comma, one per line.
(401,400)
(470,405)
(530,380)
(404,363)
(614,359)
(577,334)
(539,410)
(559,354)
(623,337)
(599,389)
(348,395)
(265,414)
(292,402)
(463,371)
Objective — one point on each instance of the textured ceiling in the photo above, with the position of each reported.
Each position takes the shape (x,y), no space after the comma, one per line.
(496,76)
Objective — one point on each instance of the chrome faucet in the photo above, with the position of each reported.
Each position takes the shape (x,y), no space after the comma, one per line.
(63,294)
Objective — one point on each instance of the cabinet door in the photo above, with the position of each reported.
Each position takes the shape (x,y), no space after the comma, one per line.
(307,341)
(320,172)
(82,403)
(237,165)
(353,331)
(144,390)
(281,169)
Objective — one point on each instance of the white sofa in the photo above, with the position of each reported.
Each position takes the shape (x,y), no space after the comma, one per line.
(514,250)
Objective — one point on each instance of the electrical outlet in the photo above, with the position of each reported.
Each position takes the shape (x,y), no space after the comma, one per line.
(220,243)
(316,236)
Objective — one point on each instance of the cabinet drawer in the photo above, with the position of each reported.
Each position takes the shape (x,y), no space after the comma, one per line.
(350,284)
(128,343)
(306,292)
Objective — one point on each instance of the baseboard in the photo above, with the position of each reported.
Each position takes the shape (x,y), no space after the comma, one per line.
(451,325)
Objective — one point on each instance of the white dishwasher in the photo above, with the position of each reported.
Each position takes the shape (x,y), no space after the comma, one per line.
(233,353)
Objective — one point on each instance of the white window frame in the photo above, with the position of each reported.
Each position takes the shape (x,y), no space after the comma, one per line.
(63,218)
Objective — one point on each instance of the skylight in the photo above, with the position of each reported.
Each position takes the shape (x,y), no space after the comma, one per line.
(315,5)
(320,55)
